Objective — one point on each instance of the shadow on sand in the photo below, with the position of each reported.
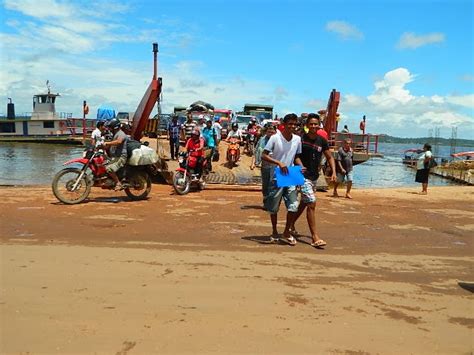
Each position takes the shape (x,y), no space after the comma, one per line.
(102,199)
(265,239)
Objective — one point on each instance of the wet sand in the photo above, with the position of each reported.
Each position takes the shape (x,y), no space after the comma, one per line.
(195,274)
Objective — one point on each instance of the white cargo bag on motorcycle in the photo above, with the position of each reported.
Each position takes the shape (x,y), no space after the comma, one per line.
(141,155)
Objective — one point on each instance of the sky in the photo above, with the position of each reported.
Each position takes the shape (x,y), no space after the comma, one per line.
(407,65)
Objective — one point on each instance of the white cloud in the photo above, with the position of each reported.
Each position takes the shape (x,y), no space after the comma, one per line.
(40,9)
(390,91)
(344,30)
(410,40)
(465,101)
(392,109)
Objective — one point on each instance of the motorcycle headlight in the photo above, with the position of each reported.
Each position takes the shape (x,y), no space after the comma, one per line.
(180,160)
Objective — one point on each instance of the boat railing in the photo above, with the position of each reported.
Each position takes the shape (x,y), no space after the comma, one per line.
(64,115)
(364,143)
(76,126)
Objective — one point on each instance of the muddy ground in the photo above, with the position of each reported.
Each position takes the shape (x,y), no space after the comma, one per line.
(195,274)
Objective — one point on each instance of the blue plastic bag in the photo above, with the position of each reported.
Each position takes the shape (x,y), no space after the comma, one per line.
(293,178)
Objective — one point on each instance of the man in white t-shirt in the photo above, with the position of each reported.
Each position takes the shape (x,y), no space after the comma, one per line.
(235,132)
(97,134)
(283,150)
(217,126)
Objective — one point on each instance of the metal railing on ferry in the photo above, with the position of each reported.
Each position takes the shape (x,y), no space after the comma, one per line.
(76,127)
(364,143)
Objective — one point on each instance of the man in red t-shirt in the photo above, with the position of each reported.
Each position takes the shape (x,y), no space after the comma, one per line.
(195,147)
(195,143)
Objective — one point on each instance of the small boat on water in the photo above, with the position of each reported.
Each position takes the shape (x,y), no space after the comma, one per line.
(44,124)
(466,155)
(410,156)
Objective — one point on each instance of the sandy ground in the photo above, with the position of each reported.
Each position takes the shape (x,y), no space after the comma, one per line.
(195,274)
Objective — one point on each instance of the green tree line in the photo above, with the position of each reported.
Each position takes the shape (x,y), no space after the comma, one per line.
(423,140)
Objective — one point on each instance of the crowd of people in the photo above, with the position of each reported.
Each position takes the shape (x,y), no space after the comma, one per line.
(293,141)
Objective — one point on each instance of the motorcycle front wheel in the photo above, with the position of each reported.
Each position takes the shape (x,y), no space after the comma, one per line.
(63,186)
(139,186)
(181,183)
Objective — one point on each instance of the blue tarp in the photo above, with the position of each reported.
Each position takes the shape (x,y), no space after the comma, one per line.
(105,113)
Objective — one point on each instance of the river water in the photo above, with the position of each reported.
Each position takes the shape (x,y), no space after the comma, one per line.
(36,164)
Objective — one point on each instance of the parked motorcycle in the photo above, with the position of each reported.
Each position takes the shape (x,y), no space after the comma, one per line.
(186,176)
(233,152)
(72,185)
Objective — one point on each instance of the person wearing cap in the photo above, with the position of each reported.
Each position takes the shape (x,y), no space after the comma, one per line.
(210,138)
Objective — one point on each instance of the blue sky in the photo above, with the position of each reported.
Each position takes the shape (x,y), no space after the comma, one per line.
(407,65)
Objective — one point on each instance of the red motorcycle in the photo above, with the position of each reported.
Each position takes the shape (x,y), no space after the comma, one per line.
(187,175)
(233,152)
(72,185)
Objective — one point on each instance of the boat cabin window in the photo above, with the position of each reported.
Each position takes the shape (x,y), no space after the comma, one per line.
(48,124)
(7,127)
(44,99)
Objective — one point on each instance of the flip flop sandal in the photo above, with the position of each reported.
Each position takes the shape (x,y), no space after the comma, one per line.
(320,243)
(294,233)
(274,239)
(290,241)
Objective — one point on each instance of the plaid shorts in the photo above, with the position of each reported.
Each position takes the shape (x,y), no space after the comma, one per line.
(308,190)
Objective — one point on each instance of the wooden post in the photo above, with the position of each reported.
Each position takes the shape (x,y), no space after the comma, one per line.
(84,105)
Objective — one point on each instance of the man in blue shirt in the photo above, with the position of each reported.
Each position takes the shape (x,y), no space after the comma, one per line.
(173,132)
(210,137)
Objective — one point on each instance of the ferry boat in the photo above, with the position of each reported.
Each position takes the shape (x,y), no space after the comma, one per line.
(44,124)
(364,146)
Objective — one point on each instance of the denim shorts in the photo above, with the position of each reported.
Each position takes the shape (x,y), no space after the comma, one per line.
(347,177)
(272,201)
(308,190)
(267,178)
